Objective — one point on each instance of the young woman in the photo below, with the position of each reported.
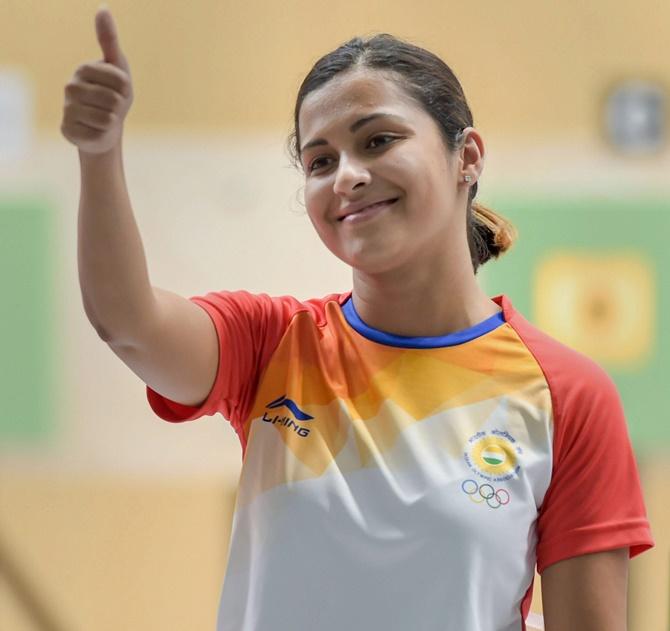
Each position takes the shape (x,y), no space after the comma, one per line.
(412,449)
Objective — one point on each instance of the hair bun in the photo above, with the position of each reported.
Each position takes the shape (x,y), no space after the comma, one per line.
(493,234)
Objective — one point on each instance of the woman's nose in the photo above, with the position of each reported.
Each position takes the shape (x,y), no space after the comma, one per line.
(350,173)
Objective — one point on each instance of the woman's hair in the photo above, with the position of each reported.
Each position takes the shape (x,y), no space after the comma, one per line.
(431,83)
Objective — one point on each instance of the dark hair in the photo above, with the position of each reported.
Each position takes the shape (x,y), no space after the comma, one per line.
(431,83)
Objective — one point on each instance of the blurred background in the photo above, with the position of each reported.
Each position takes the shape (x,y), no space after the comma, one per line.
(111,518)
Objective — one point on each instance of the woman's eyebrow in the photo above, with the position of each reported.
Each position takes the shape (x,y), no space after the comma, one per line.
(355,127)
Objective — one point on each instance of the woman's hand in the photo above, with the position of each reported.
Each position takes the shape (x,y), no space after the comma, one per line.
(99,95)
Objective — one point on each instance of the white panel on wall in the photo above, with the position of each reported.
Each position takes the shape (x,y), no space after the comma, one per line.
(16,114)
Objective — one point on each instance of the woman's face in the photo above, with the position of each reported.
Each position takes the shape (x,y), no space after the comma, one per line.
(400,155)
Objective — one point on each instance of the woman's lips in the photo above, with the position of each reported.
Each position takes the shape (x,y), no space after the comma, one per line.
(369,211)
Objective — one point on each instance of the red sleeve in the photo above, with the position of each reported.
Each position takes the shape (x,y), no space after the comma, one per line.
(249,328)
(594,501)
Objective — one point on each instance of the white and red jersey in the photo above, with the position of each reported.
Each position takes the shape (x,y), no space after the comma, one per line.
(396,483)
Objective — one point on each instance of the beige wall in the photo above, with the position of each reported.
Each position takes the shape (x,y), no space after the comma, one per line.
(528,68)
(105,553)
(121,521)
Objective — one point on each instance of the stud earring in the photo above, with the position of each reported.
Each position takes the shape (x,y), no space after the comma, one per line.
(468,178)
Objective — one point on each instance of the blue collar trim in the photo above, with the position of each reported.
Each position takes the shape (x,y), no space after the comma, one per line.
(390,339)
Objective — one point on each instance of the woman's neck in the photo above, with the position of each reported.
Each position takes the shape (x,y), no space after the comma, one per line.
(427,303)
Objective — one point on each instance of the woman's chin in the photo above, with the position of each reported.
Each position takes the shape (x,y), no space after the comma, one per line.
(374,262)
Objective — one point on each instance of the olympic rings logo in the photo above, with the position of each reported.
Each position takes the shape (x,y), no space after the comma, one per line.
(494,498)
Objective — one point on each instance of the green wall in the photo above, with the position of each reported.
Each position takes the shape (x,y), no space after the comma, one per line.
(28,258)
(594,273)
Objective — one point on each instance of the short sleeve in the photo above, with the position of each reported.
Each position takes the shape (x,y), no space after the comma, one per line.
(249,328)
(594,501)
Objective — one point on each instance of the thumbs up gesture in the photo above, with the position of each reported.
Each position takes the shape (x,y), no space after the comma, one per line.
(99,95)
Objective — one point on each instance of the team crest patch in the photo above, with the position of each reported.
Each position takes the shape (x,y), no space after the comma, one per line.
(493,455)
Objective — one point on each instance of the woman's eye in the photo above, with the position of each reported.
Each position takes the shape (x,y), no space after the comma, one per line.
(382,136)
(315,163)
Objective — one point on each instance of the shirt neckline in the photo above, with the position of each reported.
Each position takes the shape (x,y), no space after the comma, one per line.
(402,341)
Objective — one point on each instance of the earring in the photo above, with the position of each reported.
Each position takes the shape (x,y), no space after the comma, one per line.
(468,178)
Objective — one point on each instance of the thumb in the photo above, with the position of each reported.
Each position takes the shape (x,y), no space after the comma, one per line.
(108,39)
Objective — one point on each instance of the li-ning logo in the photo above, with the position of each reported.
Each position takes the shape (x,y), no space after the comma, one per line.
(287,421)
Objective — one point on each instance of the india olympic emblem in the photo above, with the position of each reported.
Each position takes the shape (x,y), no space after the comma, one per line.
(494,498)
(493,455)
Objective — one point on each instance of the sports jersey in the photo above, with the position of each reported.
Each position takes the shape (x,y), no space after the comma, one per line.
(394,483)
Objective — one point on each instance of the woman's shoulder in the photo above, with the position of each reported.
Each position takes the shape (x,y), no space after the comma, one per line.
(264,305)
(572,376)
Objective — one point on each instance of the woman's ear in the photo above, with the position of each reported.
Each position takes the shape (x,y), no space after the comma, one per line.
(472,154)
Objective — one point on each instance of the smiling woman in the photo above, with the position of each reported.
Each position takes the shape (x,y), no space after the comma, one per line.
(412,448)
(433,447)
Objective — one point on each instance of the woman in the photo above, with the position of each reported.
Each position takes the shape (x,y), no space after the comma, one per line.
(412,449)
